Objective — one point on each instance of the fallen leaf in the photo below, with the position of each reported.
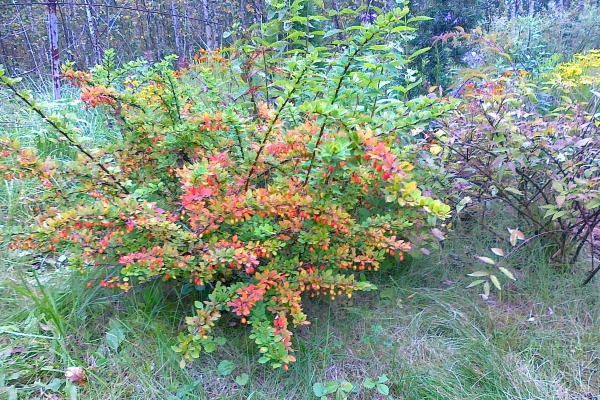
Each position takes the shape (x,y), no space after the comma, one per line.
(437,233)
(76,375)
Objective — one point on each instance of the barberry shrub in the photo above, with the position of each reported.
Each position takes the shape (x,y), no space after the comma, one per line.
(259,176)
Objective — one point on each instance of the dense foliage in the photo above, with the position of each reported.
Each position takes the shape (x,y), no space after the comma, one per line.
(257,177)
(532,145)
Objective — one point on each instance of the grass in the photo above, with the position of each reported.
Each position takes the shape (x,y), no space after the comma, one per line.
(423,330)
(430,336)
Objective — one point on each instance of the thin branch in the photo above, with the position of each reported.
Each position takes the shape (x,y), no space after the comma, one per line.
(66,136)
(272,124)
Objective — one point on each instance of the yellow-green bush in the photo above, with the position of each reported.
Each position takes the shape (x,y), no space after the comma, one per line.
(577,76)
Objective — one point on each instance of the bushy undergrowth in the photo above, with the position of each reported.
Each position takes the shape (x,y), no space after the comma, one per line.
(529,141)
(255,199)
(544,165)
(561,32)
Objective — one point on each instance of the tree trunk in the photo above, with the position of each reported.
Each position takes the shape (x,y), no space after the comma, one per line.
(6,57)
(336,19)
(531,7)
(175,19)
(186,30)
(92,32)
(29,46)
(208,30)
(243,15)
(53,37)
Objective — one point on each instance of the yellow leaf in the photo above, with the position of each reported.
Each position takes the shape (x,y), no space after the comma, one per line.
(486,260)
(410,187)
(435,149)
(406,166)
(497,251)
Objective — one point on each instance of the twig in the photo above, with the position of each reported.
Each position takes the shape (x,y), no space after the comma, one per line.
(65,135)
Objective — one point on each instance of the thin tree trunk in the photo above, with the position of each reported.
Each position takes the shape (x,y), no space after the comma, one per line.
(243,15)
(33,56)
(54,55)
(92,32)
(185,30)
(208,30)
(531,7)
(175,19)
(158,44)
(153,46)
(67,35)
(336,19)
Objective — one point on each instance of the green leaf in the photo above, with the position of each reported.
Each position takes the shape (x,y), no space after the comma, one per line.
(419,52)
(475,283)
(369,384)
(115,334)
(71,390)
(319,389)
(486,288)
(418,19)
(332,32)
(593,203)
(486,260)
(346,387)
(496,282)
(210,347)
(507,273)
(242,379)
(559,214)
(513,191)
(497,251)
(390,198)
(226,367)
(331,387)
(383,389)
(557,185)
(478,274)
